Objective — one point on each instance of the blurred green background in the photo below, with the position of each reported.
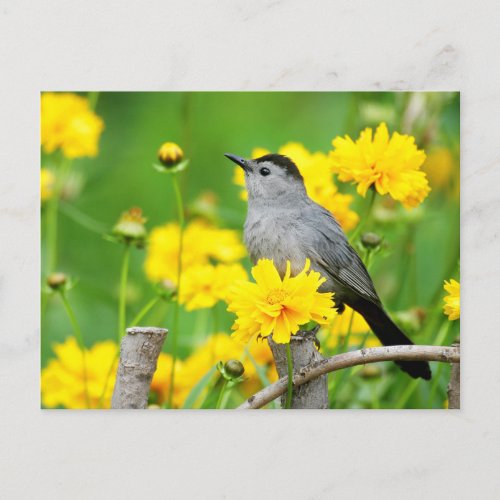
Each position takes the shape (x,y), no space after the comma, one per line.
(421,249)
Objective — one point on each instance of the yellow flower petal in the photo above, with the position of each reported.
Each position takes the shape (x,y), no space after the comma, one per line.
(67,123)
(280,306)
(452,300)
(392,165)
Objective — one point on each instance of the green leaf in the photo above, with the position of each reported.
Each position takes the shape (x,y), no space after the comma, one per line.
(212,396)
(171,170)
(198,388)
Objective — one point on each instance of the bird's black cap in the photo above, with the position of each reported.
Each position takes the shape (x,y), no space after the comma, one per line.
(282,161)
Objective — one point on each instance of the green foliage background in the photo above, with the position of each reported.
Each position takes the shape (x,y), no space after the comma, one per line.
(206,125)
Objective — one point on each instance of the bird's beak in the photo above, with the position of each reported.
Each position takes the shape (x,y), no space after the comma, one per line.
(238,160)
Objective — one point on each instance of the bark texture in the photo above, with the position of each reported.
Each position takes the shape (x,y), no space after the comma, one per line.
(139,353)
(454,385)
(313,394)
(353,358)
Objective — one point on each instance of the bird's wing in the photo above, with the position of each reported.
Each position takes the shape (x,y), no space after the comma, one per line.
(334,253)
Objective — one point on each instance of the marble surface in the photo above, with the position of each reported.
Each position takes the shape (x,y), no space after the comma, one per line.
(238,45)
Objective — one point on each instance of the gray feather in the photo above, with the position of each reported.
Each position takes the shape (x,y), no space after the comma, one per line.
(336,256)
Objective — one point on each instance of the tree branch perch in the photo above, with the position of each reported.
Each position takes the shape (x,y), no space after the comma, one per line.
(353,358)
(454,385)
(139,353)
(313,394)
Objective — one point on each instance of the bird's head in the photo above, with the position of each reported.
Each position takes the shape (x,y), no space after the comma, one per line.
(270,177)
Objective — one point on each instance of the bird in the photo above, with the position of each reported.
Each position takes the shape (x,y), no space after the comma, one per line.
(284,224)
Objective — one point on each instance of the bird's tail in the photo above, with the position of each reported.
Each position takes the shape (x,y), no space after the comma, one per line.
(389,334)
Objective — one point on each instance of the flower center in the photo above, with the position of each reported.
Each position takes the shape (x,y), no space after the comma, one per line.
(276,296)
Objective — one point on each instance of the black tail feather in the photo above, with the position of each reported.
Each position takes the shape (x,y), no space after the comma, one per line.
(389,334)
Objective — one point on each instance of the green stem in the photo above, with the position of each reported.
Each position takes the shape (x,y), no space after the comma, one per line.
(368,257)
(410,388)
(375,398)
(52,214)
(366,216)
(261,372)
(79,338)
(140,315)
(53,204)
(160,315)
(289,361)
(175,333)
(435,384)
(93,97)
(340,377)
(215,317)
(82,219)
(108,376)
(440,338)
(221,395)
(413,270)
(349,331)
(123,293)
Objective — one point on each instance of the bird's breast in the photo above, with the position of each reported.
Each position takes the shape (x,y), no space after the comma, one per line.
(274,236)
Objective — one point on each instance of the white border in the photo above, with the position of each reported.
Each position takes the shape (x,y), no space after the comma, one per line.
(238,45)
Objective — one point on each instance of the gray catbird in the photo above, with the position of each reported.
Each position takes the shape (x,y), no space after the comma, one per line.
(283,223)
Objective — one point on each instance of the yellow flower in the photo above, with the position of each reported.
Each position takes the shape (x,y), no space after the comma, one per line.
(204,285)
(391,165)
(160,385)
(339,328)
(223,245)
(47,182)
(170,154)
(67,123)
(452,300)
(278,306)
(257,153)
(318,180)
(203,242)
(62,379)
(440,167)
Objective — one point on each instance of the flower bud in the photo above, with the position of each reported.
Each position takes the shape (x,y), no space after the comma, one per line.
(234,368)
(170,154)
(57,280)
(166,289)
(168,285)
(370,240)
(410,320)
(370,371)
(204,206)
(130,227)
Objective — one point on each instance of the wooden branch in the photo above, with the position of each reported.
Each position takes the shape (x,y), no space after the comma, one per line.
(454,384)
(139,353)
(313,394)
(353,358)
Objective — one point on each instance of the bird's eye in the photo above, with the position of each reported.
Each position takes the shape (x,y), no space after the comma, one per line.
(264,171)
